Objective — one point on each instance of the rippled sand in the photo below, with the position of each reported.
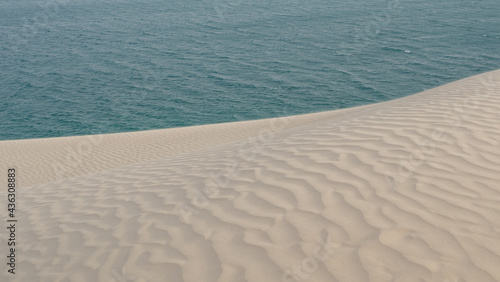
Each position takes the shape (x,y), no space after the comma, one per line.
(405,190)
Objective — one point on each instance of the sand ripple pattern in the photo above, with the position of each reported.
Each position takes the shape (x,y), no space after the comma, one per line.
(406,190)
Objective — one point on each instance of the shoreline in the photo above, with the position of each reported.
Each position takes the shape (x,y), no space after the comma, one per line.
(156,143)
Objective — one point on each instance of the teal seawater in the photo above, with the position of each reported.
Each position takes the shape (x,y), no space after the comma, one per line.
(73,67)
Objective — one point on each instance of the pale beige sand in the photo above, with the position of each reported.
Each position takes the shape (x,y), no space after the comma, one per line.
(406,190)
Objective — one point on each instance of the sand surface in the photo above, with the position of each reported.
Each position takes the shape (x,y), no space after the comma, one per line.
(405,190)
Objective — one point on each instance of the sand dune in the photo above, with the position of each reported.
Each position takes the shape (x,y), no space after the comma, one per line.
(405,190)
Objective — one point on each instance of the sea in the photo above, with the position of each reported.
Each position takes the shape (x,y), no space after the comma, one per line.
(76,67)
